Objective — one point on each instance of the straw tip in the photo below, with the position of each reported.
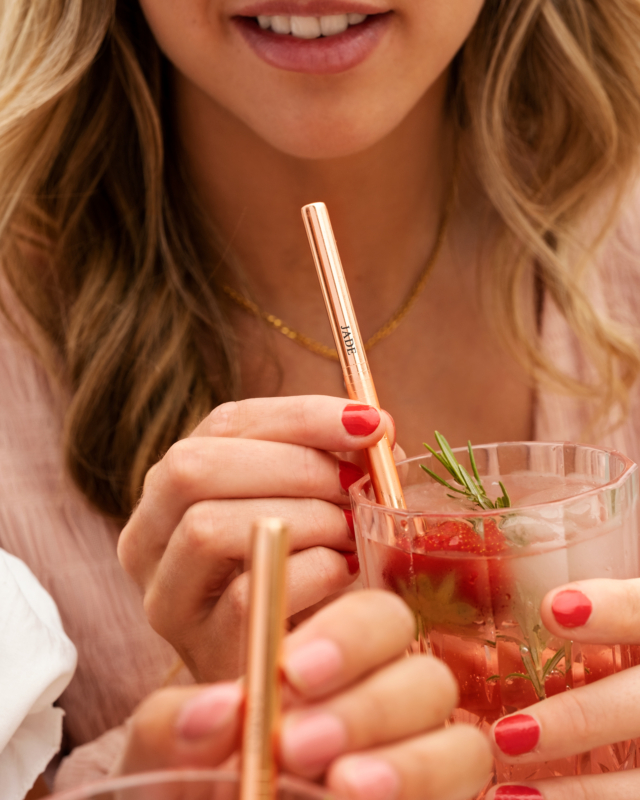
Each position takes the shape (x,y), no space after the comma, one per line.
(310,207)
(270,523)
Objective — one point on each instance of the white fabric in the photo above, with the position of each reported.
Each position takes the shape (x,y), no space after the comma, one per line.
(37,661)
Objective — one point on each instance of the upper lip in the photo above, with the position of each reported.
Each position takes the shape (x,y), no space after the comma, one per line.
(306,8)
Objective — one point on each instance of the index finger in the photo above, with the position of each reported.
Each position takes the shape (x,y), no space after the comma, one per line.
(318,421)
(570,723)
(346,640)
(597,611)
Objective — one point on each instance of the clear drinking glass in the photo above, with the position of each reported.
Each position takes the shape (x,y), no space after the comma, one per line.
(475,579)
(188,784)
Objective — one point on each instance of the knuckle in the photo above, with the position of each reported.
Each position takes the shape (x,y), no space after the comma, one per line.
(305,416)
(236,598)
(308,470)
(198,524)
(180,464)
(577,720)
(584,788)
(324,565)
(225,420)
(313,513)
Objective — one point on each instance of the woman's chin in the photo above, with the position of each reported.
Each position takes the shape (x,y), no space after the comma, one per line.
(321,139)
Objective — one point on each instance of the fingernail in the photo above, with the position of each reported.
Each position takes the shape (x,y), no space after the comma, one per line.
(517,734)
(571,608)
(349,516)
(368,778)
(314,665)
(209,711)
(516,793)
(311,742)
(353,564)
(360,420)
(348,473)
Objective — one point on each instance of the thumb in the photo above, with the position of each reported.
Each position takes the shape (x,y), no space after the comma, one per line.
(190,726)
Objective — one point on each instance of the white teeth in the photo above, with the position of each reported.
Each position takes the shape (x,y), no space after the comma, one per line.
(337,23)
(306,27)
(281,24)
(310,27)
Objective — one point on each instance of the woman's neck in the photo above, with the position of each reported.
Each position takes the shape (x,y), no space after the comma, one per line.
(385,205)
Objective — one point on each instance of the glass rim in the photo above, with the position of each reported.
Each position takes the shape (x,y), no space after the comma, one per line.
(358,497)
(187,775)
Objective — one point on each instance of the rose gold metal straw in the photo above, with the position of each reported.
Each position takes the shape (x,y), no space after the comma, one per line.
(266,628)
(353,359)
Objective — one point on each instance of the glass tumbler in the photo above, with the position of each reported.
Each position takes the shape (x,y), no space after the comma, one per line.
(475,579)
(188,784)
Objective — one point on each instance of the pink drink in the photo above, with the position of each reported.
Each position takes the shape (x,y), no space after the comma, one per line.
(475,579)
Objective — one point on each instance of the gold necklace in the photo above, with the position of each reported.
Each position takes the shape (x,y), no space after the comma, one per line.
(392,323)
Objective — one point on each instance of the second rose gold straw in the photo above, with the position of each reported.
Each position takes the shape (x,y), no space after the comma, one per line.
(266,629)
(353,359)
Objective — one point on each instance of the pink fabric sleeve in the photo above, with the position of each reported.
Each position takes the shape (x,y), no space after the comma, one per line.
(93,761)
(71,548)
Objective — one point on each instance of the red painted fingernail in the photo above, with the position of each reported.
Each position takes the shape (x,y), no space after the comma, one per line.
(517,793)
(353,565)
(349,516)
(571,608)
(348,473)
(360,420)
(517,734)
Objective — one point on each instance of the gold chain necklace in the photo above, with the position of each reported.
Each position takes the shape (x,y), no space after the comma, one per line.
(392,323)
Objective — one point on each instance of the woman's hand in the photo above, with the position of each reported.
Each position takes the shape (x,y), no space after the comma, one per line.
(358,714)
(187,540)
(599,714)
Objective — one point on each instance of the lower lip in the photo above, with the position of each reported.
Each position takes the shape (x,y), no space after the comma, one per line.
(327,55)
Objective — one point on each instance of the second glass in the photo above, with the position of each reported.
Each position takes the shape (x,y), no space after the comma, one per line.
(475,579)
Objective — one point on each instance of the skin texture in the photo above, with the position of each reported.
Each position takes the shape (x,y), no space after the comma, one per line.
(382,707)
(375,144)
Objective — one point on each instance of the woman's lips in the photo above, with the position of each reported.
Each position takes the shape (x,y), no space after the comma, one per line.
(326,55)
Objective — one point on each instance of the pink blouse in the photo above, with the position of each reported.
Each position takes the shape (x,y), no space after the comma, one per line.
(45,521)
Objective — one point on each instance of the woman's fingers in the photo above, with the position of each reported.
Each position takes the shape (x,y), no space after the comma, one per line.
(572,722)
(184,727)
(346,640)
(610,786)
(211,542)
(404,699)
(319,421)
(448,764)
(600,611)
(195,470)
(209,635)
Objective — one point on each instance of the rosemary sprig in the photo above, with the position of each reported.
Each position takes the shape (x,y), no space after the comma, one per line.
(472,487)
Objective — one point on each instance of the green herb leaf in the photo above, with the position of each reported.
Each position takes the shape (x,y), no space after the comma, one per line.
(513,675)
(472,487)
(552,663)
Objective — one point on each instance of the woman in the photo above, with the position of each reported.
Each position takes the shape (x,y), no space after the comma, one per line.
(154,161)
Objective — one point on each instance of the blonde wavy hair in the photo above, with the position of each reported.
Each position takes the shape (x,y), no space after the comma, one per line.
(105,246)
